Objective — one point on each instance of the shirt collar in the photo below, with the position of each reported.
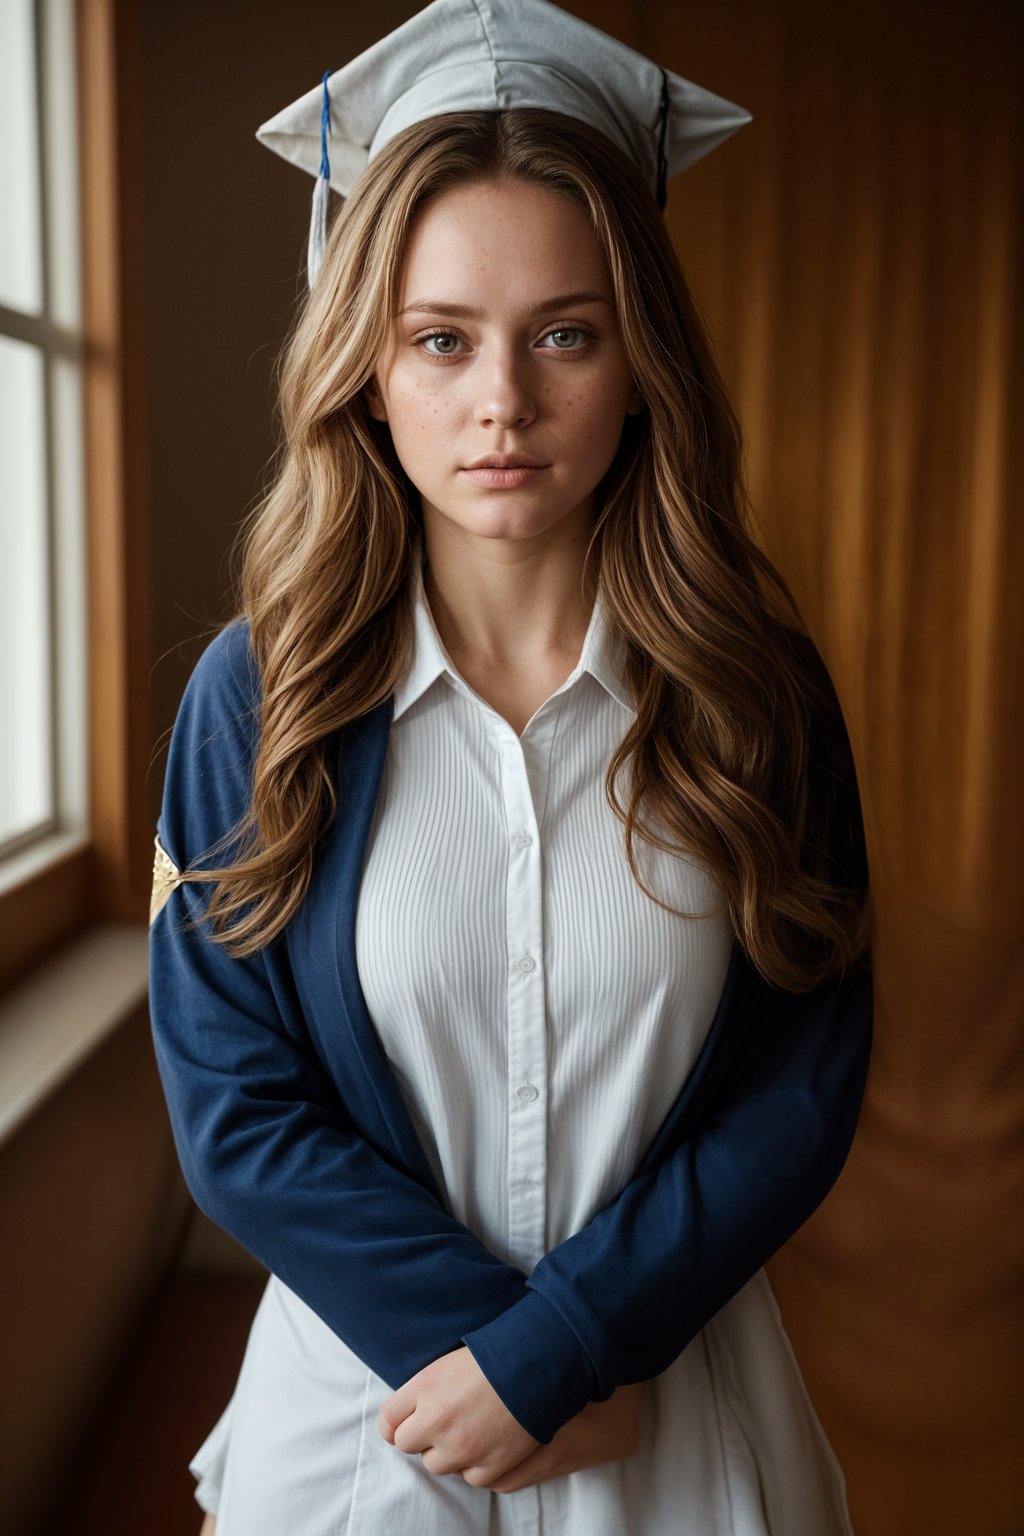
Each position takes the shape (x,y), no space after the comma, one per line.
(601,654)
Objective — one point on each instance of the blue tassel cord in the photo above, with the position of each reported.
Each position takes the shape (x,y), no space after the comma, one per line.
(318,221)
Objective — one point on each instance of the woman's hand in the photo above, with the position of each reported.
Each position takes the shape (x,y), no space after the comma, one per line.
(608,1431)
(452,1416)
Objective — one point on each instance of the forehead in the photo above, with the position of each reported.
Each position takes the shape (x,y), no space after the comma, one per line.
(500,238)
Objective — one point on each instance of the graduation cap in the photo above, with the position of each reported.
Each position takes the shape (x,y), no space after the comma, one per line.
(465,55)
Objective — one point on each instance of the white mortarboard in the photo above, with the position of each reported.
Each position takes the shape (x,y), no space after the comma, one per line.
(463,55)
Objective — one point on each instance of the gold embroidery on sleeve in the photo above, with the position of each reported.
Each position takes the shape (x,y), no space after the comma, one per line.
(166,876)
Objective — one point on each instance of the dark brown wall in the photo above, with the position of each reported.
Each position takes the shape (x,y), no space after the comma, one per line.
(225,235)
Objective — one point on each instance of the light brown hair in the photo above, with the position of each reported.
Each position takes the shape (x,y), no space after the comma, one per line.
(738,751)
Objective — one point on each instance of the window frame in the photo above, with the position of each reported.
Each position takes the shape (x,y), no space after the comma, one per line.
(71,882)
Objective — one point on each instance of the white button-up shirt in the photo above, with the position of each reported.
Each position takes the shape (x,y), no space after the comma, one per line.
(540,1014)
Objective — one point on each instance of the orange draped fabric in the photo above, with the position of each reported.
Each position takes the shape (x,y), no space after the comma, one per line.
(857,249)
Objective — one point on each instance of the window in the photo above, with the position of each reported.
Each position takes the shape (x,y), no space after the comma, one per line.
(43,679)
(75,819)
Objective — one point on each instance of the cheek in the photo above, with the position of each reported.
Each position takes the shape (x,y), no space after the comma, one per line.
(420,405)
(424,423)
(593,407)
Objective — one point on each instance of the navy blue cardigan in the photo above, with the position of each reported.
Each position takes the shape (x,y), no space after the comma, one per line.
(293,1135)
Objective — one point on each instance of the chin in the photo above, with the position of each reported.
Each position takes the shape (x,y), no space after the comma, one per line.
(516,516)
(499,522)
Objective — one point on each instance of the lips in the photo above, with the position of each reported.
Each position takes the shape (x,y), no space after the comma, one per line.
(496,478)
(506,461)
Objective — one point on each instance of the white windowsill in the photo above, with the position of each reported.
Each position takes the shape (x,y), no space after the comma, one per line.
(53,1019)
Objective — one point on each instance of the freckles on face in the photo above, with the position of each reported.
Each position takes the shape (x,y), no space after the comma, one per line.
(506,342)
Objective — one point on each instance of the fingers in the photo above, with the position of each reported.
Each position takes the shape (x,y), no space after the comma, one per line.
(478,1477)
(412,1435)
(512,1482)
(396,1408)
(535,1468)
(437,1461)
(450,1410)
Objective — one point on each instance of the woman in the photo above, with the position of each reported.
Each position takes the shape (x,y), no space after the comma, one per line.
(542,950)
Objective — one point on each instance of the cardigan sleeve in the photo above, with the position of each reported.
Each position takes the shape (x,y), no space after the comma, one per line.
(269,1154)
(628,1292)
(266,1147)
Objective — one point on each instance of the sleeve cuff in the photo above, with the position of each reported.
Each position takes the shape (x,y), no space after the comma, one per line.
(535,1363)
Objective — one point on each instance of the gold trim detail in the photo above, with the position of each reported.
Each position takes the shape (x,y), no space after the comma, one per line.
(166,875)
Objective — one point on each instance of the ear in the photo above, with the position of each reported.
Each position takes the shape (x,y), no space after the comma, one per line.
(374,402)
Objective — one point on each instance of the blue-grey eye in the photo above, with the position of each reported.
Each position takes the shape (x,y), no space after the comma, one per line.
(565,331)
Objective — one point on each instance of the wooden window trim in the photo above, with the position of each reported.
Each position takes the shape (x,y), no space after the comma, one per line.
(108,879)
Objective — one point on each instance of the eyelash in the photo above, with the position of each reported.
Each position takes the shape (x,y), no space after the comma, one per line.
(444,357)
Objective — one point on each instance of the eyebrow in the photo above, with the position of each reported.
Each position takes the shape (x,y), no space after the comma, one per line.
(464,312)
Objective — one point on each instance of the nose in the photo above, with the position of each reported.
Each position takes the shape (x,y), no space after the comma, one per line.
(505,396)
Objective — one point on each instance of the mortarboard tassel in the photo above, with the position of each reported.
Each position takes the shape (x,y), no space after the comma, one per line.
(318,222)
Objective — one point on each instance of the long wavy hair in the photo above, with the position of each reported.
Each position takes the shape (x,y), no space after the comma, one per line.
(738,754)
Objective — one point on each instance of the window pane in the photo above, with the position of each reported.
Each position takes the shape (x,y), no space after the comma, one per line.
(20,261)
(60,94)
(70,596)
(26,797)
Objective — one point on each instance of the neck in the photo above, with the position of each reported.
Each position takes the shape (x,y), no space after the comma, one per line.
(500,602)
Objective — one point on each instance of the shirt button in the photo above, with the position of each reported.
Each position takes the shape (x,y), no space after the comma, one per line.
(526,963)
(524,839)
(527,1092)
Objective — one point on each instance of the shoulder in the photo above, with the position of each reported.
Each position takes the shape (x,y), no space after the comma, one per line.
(226,672)
(220,706)
(213,746)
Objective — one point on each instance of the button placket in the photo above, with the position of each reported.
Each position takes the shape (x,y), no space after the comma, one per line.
(526,1506)
(527,1041)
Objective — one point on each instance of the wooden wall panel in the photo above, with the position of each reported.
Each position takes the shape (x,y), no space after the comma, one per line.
(858,250)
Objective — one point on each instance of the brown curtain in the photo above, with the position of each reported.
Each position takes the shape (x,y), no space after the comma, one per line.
(857,249)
